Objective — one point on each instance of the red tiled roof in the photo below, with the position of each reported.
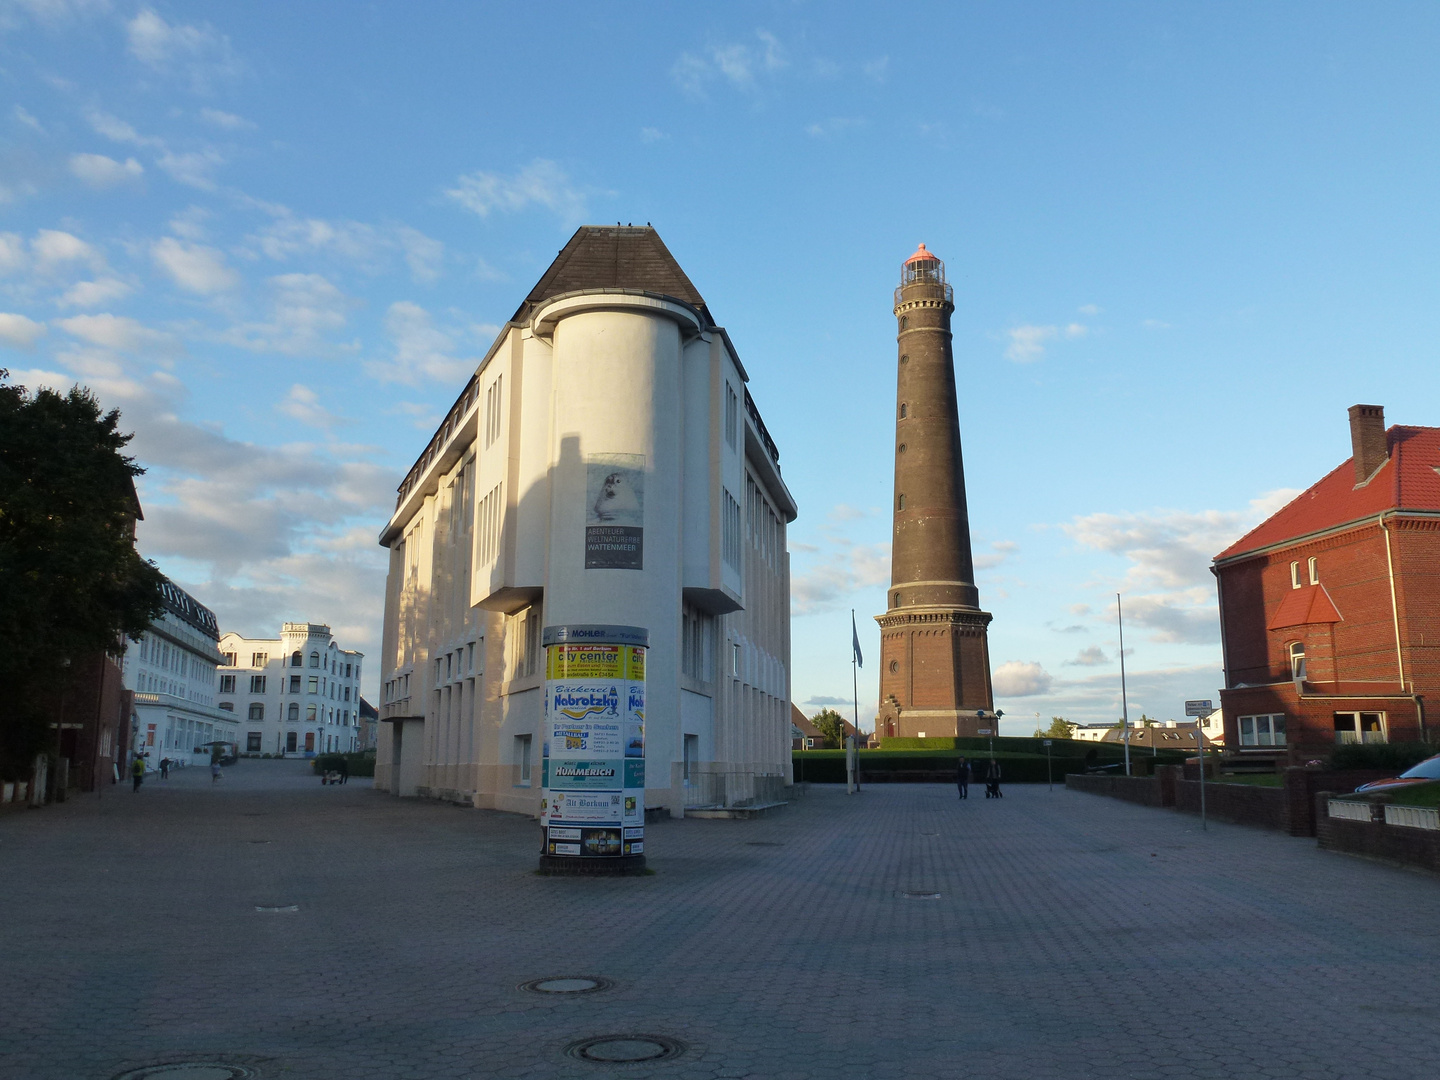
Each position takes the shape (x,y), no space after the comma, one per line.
(1303,606)
(1407,481)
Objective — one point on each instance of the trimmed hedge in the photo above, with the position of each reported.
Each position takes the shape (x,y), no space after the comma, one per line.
(361,763)
(1397,756)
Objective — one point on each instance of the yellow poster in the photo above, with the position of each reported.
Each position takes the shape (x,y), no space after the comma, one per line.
(586,661)
(635,663)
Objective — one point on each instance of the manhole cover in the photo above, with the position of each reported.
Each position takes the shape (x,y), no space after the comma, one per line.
(920,896)
(189,1070)
(567,984)
(625,1049)
(271,908)
(763,843)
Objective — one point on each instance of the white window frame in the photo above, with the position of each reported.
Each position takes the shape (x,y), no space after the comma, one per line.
(1263,731)
(1295,581)
(1314,569)
(1359,732)
(523,745)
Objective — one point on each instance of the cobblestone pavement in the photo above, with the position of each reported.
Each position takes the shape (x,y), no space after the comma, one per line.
(1073,936)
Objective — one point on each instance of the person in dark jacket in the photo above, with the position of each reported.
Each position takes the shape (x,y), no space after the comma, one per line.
(344,771)
(962,777)
(164,768)
(992,780)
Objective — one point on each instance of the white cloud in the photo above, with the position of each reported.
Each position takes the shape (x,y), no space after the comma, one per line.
(1155,324)
(1091,657)
(228,121)
(54,250)
(25,117)
(1089,309)
(836,125)
(851,567)
(1168,585)
(117,130)
(878,69)
(358,246)
(18,332)
(999,551)
(86,294)
(423,255)
(12,253)
(199,52)
(1027,343)
(650,134)
(50,13)
(306,309)
(1076,330)
(192,168)
(119,333)
(737,63)
(541,183)
(303,404)
(1018,678)
(100,171)
(193,267)
(422,351)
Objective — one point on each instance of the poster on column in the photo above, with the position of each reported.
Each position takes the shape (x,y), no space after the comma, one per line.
(615,512)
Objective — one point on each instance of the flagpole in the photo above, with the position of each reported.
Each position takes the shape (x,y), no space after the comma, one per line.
(1124,701)
(855,689)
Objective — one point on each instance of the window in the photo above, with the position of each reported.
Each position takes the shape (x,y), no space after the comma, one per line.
(904,359)
(730,530)
(296,660)
(900,449)
(294,684)
(732,414)
(523,639)
(900,502)
(904,410)
(471,648)
(904,321)
(257,684)
(522,758)
(252,742)
(1297,660)
(491,519)
(310,713)
(735,660)
(347,671)
(257,711)
(229,658)
(1359,727)
(697,631)
(227,706)
(1314,572)
(227,684)
(290,742)
(259,659)
(347,694)
(312,684)
(294,713)
(1267,730)
(1295,575)
(315,659)
(692,755)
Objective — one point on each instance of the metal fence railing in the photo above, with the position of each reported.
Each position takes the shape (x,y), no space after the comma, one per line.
(730,790)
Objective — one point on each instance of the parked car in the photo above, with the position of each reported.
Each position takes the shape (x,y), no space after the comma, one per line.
(1427,770)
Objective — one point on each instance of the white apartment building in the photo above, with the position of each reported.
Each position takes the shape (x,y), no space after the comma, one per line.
(171,671)
(295,694)
(605,464)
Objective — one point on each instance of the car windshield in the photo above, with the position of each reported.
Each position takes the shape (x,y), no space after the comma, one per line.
(1429,769)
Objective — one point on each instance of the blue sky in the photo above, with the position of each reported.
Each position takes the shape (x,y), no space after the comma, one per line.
(1183,239)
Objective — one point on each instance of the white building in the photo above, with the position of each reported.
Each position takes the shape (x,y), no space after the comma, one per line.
(605,464)
(1213,726)
(295,694)
(171,671)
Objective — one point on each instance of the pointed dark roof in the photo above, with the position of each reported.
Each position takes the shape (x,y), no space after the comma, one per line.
(614,257)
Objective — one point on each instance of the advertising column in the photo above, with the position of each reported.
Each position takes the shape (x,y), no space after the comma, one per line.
(593,755)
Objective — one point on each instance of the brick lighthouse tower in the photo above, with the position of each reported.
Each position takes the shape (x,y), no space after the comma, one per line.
(934,657)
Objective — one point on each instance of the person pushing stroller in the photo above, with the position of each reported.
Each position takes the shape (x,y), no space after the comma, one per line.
(992,780)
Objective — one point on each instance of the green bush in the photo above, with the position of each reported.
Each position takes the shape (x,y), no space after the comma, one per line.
(828,766)
(361,763)
(1396,756)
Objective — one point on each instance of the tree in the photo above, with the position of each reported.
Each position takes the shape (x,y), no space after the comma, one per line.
(71,581)
(1059,728)
(831,725)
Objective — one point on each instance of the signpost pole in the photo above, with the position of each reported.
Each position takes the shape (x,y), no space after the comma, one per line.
(1200,708)
(1049,775)
(1124,700)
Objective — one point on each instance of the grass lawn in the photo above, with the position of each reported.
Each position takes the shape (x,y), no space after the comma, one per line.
(1274,780)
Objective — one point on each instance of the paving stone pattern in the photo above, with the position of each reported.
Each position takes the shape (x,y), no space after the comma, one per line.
(1074,936)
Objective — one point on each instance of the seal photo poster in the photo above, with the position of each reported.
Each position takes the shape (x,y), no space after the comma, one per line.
(615,512)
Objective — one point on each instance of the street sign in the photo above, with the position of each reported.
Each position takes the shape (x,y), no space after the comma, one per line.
(1199,708)
(984,731)
(1044,742)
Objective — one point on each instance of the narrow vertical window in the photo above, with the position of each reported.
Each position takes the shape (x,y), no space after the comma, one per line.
(1295,575)
(1314,571)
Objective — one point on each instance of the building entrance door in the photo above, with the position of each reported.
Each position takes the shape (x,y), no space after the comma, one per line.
(309,742)
(290,742)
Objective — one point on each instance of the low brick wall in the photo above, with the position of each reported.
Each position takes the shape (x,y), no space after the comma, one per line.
(1243,804)
(1377,840)
(1144,790)
(1301,786)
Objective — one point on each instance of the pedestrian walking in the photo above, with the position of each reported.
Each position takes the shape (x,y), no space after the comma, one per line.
(992,781)
(214,771)
(344,771)
(137,772)
(962,777)
(164,768)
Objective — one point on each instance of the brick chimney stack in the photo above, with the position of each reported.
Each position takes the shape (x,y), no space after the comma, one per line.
(1367,440)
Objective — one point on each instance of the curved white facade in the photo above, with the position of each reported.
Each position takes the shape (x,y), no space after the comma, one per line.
(601,467)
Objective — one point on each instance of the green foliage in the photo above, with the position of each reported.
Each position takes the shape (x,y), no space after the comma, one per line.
(1022,760)
(1059,728)
(360,763)
(1418,795)
(1396,756)
(71,581)
(831,725)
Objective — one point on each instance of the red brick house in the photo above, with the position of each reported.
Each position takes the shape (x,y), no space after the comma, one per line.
(1330,609)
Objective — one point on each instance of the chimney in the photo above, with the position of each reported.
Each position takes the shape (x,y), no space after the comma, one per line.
(1367,439)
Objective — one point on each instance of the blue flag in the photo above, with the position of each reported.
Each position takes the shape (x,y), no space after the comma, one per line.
(855,640)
